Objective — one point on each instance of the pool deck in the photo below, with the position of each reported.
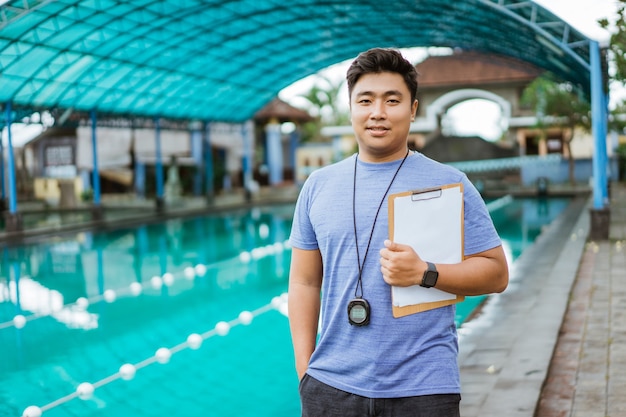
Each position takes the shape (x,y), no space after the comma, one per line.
(118,211)
(552,345)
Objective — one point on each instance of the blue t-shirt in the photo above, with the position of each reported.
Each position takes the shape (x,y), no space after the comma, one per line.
(390,357)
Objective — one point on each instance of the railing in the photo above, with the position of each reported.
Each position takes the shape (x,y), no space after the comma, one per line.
(501,164)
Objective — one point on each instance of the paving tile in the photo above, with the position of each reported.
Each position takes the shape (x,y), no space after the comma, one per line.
(518,346)
(598,296)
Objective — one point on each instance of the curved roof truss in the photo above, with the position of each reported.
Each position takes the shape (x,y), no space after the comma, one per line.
(225,59)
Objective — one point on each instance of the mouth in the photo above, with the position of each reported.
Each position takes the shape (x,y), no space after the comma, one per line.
(377,130)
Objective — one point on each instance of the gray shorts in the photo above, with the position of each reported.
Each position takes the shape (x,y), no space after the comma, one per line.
(321,400)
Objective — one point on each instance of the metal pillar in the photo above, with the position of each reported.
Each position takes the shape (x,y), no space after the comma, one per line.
(3,196)
(140,179)
(294,139)
(197,155)
(600,212)
(96,210)
(274,152)
(208,163)
(246,163)
(13,219)
(158,166)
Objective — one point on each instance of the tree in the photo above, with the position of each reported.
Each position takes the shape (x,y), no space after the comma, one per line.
(324,98)
(617,123)
(617,43)
(617,52)
(558,105)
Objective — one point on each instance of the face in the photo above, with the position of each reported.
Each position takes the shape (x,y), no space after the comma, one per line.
(381,112)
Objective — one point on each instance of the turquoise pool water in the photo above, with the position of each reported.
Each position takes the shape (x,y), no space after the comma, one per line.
(519,222)
(106,309)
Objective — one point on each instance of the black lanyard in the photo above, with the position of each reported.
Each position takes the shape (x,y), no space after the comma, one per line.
(358,292)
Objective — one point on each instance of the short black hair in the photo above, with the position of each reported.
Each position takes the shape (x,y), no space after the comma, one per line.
(377,60)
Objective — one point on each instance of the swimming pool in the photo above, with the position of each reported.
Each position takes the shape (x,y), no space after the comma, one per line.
(519,222)
(186,317)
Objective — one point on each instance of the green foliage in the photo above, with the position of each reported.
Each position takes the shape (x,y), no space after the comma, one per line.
(324,100)
(617,119)
(617,48)
(617,43)
(86,195)
(620,151)
(310,131)
(557,104)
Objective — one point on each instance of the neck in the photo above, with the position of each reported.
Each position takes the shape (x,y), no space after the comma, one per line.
(380,158)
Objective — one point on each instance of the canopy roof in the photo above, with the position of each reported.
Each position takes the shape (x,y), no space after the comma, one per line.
(225,59)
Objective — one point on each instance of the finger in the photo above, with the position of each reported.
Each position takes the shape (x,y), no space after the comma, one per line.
(390,245)
(385,264)
(396,247)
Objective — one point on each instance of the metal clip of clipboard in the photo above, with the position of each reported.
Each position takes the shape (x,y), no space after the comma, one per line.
(426,194)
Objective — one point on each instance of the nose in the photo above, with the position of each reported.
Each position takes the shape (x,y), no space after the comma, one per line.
(378,110)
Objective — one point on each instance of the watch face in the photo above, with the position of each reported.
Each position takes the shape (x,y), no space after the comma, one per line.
(358,312)
(430,278)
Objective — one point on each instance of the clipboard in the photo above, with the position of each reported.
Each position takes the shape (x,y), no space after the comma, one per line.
(430,221)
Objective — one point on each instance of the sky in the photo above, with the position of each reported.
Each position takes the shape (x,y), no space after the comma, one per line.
(479,116)
(583,14)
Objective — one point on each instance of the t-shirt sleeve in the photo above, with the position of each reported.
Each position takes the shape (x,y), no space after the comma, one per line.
(480,232)
(302,232)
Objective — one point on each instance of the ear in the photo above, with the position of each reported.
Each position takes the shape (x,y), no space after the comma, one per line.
(414,107)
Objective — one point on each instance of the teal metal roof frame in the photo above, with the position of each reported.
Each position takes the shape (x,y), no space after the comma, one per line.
(224,60)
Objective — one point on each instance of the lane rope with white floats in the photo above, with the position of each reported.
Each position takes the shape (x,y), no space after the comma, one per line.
(127,371)
(79,307)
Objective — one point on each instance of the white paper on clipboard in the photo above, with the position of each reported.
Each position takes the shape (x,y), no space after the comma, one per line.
(431,222)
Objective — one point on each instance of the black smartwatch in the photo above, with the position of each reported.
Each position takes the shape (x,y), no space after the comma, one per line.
(429,279)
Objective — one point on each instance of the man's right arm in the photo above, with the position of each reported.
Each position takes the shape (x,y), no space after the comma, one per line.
(305,284)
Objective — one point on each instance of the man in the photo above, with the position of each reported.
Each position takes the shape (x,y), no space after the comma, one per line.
(366,362)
